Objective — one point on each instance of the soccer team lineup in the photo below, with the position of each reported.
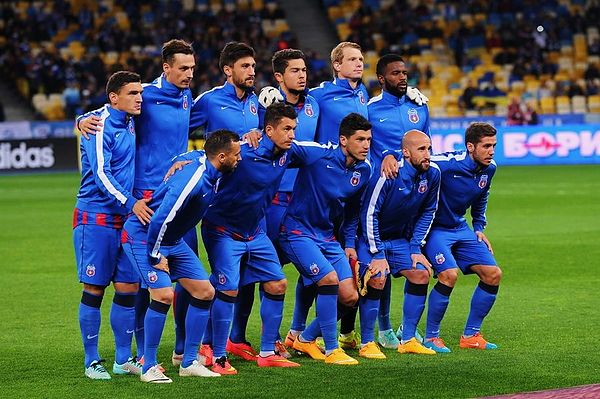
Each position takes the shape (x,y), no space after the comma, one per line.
(345,188)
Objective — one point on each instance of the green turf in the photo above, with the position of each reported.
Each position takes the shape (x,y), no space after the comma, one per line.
(544,224)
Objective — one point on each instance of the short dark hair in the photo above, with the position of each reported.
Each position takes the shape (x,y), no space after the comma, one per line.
(478,130)
(175,46)
(220,141)
(352,123)
(276,112)
(119,79)
(233,51)
(384,61)
(282,58)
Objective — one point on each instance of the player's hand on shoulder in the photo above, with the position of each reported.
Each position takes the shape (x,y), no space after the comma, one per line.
(269,95)
(252,137)
(416,96)
(174,168)
(90,125)
(142,210)
(482,237)
(389,167)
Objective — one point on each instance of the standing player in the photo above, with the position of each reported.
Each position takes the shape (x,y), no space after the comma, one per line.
(324,190)
(466,179)
(103,202)
(396,215)
(162,132)
(161,256)
(289,69)
(392,114)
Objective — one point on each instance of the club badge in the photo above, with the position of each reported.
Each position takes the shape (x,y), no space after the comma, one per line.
(308,110)
(152,276)
(361,98)
(422,186)
(90,271)
(483,181)
(185,102)
(355,179)
(252,107)
(222,278)
(314,269)
(283,159)
(413,115)
(439,258)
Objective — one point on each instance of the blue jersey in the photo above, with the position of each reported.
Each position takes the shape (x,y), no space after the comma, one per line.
(162,131)
(248,191)
(107,164)
(464,184)
(391,117)
(403,207)
(308,115)
(220,108)
(178,204)
(321,192)
(336,100)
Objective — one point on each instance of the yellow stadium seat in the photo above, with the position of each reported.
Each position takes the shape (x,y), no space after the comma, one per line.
(594,103)
(547,105)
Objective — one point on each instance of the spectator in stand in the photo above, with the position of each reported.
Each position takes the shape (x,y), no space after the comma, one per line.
(465,101)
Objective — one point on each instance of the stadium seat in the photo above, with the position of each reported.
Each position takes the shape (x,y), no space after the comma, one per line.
(594,103)
(547,105)
(579,104)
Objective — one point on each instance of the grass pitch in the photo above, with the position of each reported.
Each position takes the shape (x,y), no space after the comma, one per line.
(544,225)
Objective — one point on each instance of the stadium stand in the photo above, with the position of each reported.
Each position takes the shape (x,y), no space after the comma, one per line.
(473,57)
(59,54)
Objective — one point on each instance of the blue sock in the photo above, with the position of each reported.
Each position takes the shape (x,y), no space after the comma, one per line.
(305,296)
(154,324)
(414,304)
(439,298)
(122,321)
(241,313)
(327,296)
(482,301)
(195,324)
(207,338)
(221,314)
(368,306)
(180,308)
(142,300)
(384,306)
(271,313)
(89,323)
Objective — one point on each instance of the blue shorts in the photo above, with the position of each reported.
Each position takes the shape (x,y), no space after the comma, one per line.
(225,254)
(452,248)
(315,258)
(99,256)
(397,254)
(183,263)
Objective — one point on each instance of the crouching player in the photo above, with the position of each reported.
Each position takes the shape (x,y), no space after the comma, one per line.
(396,215)
(161,256)
(103,202)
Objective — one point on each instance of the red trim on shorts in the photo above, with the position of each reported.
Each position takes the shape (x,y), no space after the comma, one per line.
(101,219)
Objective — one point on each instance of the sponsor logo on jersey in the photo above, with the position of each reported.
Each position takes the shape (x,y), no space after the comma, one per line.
(252,107)
(439,258)
(185,102)
(222,279)
(90,270)
(422,186)
(308,110)
(314,269)
(361,98)
(483,181)
(283,159)
(152,276)
(355,179)
(413,115)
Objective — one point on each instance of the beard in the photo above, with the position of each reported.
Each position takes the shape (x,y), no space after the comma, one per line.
(394,90)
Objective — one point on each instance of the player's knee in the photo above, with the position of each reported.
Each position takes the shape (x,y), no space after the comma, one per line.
(329,279)
(204,291)
(94,289)
(419,277)
(164,295)
(492,276)
(448,277)
(348,297)
(377,283)
(275,287)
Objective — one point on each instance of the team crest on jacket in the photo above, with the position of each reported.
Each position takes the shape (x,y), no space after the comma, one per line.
(131,128)
(185,102)
(314,269)
(361,97)
(483,181)
(222,279)
(152,276)
(439,258)
(283,159)
(413,115)
(308,110)
(355,179)
(422,186)
(90,270)
(252,107)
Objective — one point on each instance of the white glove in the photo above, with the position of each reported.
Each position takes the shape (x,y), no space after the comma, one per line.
(270,95)
(416,96)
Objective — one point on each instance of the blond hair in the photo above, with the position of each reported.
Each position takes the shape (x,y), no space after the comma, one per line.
(337,54)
